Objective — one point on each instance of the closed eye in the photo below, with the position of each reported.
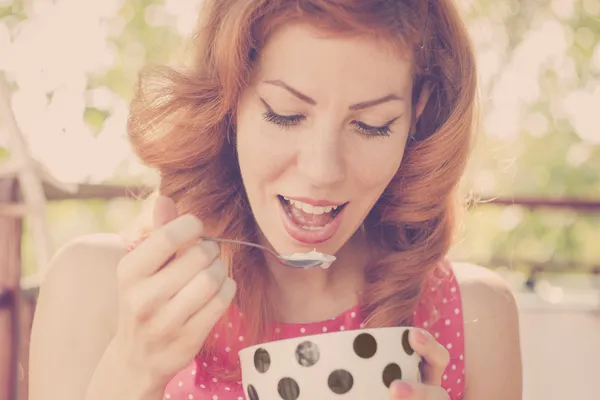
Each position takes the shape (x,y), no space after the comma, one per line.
(282,120)
(369,130)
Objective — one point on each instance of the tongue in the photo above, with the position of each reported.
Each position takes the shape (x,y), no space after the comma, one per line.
(306,219)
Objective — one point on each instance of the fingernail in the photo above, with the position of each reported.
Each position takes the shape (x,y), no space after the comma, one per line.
(401,389)
(420,336)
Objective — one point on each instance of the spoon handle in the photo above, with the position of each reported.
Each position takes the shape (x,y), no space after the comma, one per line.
(240,242)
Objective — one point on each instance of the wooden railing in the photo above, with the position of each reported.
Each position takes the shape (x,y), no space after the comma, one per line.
(17,303)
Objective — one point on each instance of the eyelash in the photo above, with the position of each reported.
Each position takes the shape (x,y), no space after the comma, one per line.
(287,121)
(281,120)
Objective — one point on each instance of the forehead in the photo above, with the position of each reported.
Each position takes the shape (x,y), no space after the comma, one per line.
(306,56)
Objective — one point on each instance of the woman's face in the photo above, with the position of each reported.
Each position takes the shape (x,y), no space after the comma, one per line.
(320,133)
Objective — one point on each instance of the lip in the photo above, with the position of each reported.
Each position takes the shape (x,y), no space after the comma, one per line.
(310,237)
(316,203)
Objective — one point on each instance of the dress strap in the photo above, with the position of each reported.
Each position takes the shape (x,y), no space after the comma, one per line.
(440,313)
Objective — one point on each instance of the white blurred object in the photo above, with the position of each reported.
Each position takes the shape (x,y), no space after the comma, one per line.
(50,57)
(31,177)
(559,329)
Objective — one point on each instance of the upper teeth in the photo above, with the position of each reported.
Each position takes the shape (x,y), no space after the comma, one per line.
(308,208)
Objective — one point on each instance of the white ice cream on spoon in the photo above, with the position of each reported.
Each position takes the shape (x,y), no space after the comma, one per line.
(313,255)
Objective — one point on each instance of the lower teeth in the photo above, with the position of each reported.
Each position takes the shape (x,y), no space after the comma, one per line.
(313,228)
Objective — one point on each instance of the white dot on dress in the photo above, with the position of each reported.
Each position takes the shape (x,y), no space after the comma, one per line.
(215,397)
(458,381)
(205,364)
(449,346)
(324,329)
(425,324)
(167,396)
(454,367)
(456,311)
(342,328)
(444,300)
(448,390)
(190,396)
(227,349)
(437,335)
(453,289)
(216,335)
(227,388)
(447,322)
(230,325)
(214,380)
(302,330)
(353,314)
(277,330)
(241,338)
(445,377)
(215,358)
(180,384)
(202,386)
(193,372)
(461,357)
(458,334)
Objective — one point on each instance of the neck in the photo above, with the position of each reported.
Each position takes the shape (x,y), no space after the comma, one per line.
(303,296)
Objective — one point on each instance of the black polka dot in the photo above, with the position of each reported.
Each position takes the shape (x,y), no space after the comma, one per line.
(252,393)
(365,345)
(288,389)
(340,381)
(307,354)
(390,373)
(262,360)
(406,344)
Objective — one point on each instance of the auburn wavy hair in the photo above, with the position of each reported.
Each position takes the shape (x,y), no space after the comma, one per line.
(182,124)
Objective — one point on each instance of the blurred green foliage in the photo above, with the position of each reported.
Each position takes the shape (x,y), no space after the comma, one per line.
(547,156)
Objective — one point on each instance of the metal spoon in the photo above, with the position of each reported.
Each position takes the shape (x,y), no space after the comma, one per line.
(294,262)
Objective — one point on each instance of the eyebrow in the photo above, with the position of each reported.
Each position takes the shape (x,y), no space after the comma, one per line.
(354,107)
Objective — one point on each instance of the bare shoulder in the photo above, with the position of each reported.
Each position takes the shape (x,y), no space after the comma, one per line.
(492,353)
(85,266)
(83,272)
(75,316)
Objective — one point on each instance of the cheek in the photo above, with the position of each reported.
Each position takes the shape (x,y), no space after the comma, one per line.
(379,166)
(262,160)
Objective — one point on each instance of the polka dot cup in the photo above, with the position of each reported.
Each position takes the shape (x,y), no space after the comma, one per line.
(349,365)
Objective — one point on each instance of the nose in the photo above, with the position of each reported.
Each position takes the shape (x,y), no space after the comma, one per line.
(321,160)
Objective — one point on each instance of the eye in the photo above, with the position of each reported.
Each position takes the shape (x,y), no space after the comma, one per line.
(282,120)
(369,130)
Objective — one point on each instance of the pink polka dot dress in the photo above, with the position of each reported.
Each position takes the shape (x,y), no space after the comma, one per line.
(439,312)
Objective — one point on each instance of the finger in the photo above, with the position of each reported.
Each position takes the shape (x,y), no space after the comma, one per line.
(154,291)
(404,390)
(151,254)
(435,356)
(177,273)
(199,325)
(192,297)
(165,211)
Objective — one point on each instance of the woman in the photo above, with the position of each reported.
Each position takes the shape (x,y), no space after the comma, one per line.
(337,125)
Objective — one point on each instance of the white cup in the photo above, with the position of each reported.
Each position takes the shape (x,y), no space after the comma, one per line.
(347,365)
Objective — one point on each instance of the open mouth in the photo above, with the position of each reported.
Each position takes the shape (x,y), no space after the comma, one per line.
(308,216)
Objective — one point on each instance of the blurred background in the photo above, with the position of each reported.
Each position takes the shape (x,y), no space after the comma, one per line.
(68,68)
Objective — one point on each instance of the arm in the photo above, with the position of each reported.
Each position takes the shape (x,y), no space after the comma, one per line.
(74,323)
(492,348)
